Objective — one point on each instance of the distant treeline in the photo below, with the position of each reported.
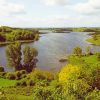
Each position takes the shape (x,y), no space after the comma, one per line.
(72,29)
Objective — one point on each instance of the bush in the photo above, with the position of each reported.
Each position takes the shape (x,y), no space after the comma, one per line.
(11,76)
(1,69)
(68,73)
(2,74)
(95,95)
(30,83)
(18,75)
(77,51)
(23,72)
(41,75)
(98,57)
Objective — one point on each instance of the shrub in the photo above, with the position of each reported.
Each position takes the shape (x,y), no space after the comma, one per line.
(77,51)
(41,75)
(30,83)
(23,72)
(2,74)
(1,69)
(98,57)
(94,95)
(18,75)
(69,72)
(11,76)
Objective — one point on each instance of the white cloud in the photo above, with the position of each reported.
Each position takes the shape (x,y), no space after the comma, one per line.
(91,7)
(56,2)
(8,8)
(58,21)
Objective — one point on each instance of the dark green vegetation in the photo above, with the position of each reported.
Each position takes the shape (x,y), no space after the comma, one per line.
(79,80)
(14,57)
(9,35)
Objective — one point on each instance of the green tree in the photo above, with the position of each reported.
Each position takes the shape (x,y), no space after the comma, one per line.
(2,37)
(88,49)
(94,37)
(30,58)
(13,53)
(98,57)
(77,51)
(1,69)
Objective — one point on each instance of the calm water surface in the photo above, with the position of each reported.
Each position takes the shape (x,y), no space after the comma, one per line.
(52,47)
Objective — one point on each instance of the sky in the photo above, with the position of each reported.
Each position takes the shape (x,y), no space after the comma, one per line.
(50,13)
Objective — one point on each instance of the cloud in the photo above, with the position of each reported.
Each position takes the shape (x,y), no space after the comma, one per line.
(58,21)
(56,2)
(91,7)
(8,8)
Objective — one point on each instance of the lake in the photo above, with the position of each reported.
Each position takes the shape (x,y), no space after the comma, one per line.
(52,47)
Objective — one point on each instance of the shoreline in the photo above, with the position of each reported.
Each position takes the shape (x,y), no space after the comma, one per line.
(21,41)
(90,40)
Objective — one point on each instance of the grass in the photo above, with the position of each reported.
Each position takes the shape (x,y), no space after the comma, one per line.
(17,93)
(6,82)
(91,59)
(95,42)
(18,97)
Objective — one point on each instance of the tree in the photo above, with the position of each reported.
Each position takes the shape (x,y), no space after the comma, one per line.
(94,37)
(77,51)
(88,49)
(1,69)
(2,37)
(13,53)
(30,58)
(98,57)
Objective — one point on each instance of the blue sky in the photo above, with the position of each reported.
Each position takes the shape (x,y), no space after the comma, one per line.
(50,13)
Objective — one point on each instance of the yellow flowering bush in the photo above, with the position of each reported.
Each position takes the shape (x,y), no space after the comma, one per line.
(69,72)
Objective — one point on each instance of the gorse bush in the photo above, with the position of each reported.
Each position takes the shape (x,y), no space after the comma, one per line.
(69,72)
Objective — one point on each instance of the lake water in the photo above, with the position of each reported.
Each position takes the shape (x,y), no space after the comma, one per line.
(52,47)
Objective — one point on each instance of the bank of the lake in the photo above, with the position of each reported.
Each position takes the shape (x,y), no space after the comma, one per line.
(94,42)
(21,41)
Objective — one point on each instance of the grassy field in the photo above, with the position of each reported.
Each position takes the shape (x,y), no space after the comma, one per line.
(92,59)
(18,97)
(6,82)
(95,42)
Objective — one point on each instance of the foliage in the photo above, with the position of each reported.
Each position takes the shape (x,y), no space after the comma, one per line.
(30,58)
(94,95)
(77,51)
(1,69)
(98,56)
(15,34)
(69,72)
(13,53)
(11,76)
(89,51)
